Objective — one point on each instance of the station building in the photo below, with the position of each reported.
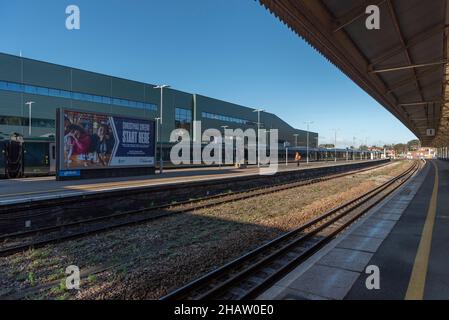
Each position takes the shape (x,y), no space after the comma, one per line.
(52,86)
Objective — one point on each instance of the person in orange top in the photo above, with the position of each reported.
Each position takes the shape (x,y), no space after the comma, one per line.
(297,158)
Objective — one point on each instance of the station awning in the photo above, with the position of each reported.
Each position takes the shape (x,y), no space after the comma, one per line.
(403,65)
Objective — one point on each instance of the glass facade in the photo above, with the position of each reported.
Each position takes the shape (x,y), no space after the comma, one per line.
(220,117)
(49,92)
(23,121)
(183,118)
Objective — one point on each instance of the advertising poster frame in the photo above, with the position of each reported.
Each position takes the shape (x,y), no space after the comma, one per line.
(91,171)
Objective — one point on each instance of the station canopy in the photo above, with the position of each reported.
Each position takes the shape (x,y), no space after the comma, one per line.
(403,65)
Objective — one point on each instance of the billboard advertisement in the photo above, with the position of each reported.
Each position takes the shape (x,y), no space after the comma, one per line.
(99,141)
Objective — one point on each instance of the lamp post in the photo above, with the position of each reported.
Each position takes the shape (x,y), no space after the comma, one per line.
(296,139)
(258,133)
(29,104)
(367,149)
(353,148)
(221,145)
(161,162)
(157,131)
(286,152)
(335,145)
(308,123)
(362,153)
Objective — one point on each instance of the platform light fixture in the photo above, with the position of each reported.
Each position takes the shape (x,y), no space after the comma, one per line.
(335,145)
(308,123)
(29,104)
(221,146)
(258,133)
(296,139)
(367,149)
(157,132)
(353,147)
(161,162)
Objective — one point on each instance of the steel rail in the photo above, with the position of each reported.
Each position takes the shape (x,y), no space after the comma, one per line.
(215,200)
(220,282)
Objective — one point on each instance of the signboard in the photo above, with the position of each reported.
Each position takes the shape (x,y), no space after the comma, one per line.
(70,173)
(430,132)
(96,141)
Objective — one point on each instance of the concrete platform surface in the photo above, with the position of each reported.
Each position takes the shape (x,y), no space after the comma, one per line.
(406,237)
(32,189)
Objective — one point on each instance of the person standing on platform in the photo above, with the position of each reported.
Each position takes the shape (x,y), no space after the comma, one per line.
(297,158)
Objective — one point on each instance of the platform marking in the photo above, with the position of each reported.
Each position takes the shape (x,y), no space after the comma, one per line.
(120,185)
(417,283)
(96,187)
(75,190)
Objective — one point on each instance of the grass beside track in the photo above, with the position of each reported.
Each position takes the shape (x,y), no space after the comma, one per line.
(148,260)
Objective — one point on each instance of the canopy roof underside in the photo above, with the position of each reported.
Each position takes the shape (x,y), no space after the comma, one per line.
(403,65)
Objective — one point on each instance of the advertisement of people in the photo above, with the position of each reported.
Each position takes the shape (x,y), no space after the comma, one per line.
(95,141)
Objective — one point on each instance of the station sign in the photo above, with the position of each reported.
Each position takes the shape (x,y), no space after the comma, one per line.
(430,132)
(69,173)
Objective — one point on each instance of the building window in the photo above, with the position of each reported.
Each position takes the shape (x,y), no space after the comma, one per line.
(24,121)
(50,92)
(219,117)
(183,118)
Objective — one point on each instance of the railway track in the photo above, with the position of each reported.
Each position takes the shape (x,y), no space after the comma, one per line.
(21,241)
(247,276)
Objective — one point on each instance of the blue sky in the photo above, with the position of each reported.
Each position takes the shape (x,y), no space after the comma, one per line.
(232,50)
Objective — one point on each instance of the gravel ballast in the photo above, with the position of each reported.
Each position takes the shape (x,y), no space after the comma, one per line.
(149,260)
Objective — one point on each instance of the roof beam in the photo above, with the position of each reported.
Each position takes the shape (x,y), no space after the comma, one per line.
(430,85)
(421,65)
(354,14)
(425,119)
(316,22)
(418,103)
(417,39)
(401,39)
(416,115)
(419,76)
(424,127)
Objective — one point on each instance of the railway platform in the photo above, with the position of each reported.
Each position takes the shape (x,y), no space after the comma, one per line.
(47,188)
(399,250)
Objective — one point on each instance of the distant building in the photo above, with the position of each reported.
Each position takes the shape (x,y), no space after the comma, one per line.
(422,153)
(327,146)
(376,149)
(391,153)
(52,86)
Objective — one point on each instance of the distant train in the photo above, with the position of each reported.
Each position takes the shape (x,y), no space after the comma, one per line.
(37,157)
(324,154)
(33,157)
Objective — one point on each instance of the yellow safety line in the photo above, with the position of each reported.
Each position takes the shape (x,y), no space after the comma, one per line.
(417,281)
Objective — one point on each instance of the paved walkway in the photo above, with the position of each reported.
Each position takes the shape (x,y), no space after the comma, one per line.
(406,238)
(32,189)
